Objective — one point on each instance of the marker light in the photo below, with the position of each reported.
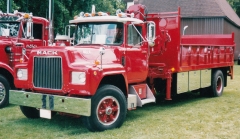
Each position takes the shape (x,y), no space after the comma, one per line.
(122,15)
(96,62)
(26,16)
(87,15)
(81,14)
(102,14)
(15,11)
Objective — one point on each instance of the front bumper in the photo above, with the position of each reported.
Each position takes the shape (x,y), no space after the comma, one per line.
(72,105)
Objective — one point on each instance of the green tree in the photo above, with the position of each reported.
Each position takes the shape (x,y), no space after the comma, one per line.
(3,6)
(235,5)
(65,10)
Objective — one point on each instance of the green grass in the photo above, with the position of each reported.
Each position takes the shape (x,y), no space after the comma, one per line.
(187,116)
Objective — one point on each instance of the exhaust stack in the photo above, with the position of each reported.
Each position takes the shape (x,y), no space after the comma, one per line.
(51,11)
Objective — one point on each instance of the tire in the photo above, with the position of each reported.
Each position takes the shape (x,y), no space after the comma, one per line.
(217,85)
(108,109)
(238,61)
(30,112)
(4,92)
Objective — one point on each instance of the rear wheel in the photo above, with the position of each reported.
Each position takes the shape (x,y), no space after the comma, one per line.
(108,110)
(217,83)
(4,92)
(30,112)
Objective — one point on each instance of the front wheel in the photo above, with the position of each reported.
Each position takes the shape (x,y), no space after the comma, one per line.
(108,110)
(4,92)
(217,83)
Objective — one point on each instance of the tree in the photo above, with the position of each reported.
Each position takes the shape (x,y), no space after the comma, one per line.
(64,10)
(235,5)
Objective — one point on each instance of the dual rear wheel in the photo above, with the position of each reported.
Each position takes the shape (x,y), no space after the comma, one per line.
(217,85)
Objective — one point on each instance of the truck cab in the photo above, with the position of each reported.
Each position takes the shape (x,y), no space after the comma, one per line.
(19,34)
(110,53)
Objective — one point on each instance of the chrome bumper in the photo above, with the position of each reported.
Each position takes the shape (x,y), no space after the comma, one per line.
(65,104)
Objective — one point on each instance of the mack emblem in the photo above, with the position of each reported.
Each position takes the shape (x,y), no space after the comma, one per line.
(47,52)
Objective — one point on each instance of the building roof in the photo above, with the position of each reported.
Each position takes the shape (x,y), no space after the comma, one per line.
(194,8)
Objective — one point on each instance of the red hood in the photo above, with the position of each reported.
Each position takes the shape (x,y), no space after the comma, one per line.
(79,55)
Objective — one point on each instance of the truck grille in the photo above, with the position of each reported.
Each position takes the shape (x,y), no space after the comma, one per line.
(47,72)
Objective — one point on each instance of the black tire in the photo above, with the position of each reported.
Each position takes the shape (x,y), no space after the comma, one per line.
(217,85)
(238,62)
(4,92)
(108,109)
(30,112)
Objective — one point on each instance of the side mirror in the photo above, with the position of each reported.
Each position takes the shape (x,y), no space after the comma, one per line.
(29,30)
(151,33)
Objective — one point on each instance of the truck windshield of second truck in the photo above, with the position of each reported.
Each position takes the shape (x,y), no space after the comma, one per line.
(9,29)
(99,33)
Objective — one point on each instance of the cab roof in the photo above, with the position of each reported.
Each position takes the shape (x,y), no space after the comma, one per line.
(105,19)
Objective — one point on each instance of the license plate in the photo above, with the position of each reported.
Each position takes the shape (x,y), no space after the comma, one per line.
(45,114)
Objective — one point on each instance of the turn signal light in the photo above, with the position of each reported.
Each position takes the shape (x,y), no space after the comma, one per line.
(96,62)
(26,16)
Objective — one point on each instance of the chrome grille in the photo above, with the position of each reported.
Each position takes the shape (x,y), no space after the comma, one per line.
(47,72)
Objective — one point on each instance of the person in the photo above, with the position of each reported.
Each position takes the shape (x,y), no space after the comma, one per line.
(119,35)
(114,34)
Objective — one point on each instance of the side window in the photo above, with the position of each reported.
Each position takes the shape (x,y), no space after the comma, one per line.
(37,31)
(134,39)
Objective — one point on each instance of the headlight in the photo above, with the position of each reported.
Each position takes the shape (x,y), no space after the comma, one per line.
(22,74)
(78,77)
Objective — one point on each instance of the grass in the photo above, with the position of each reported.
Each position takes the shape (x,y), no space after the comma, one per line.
(188,116)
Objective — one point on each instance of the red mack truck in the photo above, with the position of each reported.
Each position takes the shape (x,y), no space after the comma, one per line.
(19,33)
(119,63)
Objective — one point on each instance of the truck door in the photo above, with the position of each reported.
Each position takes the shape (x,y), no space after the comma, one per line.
(136,55)
(37,37)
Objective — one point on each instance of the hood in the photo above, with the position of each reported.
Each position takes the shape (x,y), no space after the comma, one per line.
(88,56)
(79,55)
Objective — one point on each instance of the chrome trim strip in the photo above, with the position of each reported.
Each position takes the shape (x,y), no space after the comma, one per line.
(72,105)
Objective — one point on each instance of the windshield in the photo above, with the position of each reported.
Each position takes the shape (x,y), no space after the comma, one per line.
(99,33)
(9,29)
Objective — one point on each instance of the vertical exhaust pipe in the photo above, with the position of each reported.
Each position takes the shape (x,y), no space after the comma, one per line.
(9,6)
(50,31)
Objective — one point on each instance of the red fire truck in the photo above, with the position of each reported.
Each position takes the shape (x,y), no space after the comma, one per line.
(118,63)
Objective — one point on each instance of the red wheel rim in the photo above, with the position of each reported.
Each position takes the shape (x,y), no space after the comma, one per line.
(219,84)
(108,110)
